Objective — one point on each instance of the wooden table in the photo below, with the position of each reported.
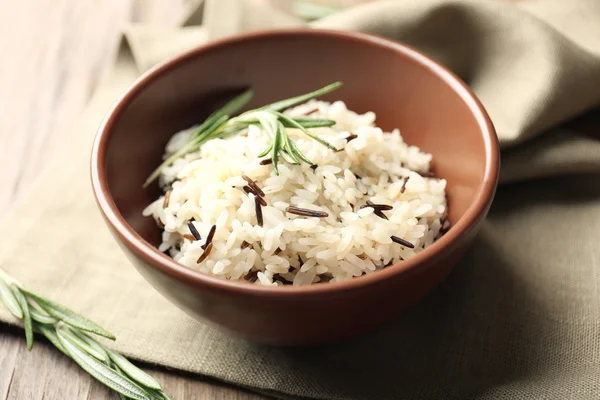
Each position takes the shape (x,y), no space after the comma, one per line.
(53,53)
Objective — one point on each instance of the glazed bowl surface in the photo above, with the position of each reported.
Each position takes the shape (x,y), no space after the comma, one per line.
(432,108)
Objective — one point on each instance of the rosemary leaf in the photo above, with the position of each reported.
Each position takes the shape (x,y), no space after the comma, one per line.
(294,149)
(276,150)
(295,124)
(273,122)
(134,372)
(113,366)
(156,395)
(305,122)
(101,372)
(286,151)
(237,103)
(294,101)
(92,343)
(197,139)
(50,333)
(10,301)
(312,123)
(68,316)
(42,317)
(289,157)
(27,324)
(212,124)
(232,107)
(66,330)
(232,130)
(68,334)
(267,150)
(212,129)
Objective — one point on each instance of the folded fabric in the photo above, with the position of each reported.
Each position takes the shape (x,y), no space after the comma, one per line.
(520,316)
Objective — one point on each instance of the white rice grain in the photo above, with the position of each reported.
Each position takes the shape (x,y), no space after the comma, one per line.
(206,187)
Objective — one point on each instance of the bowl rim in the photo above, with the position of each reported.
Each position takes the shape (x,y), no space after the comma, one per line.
(167,265)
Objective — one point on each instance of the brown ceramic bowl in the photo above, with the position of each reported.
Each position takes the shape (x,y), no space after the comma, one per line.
(433,109)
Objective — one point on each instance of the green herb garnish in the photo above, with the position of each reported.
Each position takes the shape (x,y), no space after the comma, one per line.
(221,124)
(70,332)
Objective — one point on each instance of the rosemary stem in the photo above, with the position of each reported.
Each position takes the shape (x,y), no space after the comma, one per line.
(270,117)
(71,333)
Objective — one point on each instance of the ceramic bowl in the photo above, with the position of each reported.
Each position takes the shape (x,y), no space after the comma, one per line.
(432,108)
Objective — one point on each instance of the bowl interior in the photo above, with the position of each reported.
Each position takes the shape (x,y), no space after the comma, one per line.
(400,86)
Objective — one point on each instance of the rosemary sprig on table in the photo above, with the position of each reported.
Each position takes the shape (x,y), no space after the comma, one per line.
(70,333)
(221,124)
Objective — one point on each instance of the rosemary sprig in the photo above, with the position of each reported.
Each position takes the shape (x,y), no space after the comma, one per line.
(70,332)
(220,124)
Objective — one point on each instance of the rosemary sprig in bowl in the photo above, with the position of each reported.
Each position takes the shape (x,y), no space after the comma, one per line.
(221,124)
(71,333)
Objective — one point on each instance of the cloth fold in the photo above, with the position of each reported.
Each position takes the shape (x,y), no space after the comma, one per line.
(520,316)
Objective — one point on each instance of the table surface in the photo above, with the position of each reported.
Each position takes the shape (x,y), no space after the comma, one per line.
(54,52)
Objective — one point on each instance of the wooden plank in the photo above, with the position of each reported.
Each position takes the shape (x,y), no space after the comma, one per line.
(46,373)
(8,358)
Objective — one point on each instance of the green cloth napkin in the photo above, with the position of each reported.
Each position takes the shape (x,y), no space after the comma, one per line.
(519,318)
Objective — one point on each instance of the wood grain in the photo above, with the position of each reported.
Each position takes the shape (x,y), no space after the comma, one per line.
(45,373)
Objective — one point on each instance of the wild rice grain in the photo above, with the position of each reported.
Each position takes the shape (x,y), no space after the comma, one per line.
(426,174)
(166,200)
(403,188)
(258,209)
(403,242)
(189,237)
(261,201)
(380,207)
(266,161)
(380,214)
(251,277)
(351,138)
(254,186)
(194,231)
(249,190)
(279,278)
(306,212)
(205,254)
(209,239)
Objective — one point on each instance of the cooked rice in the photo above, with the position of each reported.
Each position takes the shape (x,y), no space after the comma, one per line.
(207,188)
